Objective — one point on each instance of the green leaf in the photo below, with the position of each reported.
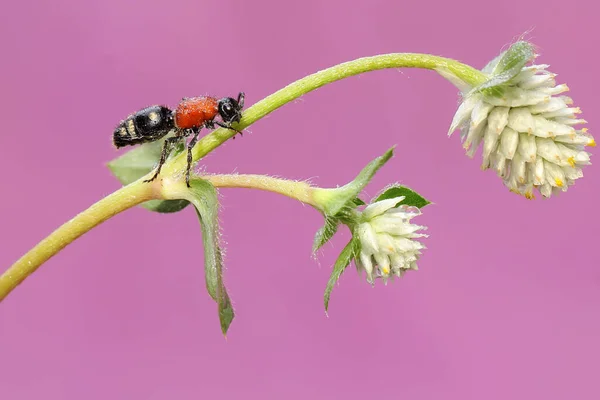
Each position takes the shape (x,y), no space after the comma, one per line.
(489,68)
(346,256)
(514,59)
(506,66)
(358,202)
(136,163)
(204,198)
(412,198)
(349,192)
(325,233)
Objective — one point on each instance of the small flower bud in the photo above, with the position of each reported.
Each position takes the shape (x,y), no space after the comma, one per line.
(387,239)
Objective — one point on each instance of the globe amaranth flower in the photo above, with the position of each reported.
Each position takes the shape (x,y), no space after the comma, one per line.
(528,131)
(387,239)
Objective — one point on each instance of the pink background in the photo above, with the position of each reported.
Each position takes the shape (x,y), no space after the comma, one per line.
(505,305)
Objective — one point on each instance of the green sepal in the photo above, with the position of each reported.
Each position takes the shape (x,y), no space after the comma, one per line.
(346,256)
(204,197)
(412,198)
(138,162)
(341,201)
(349,192)
(326,232)
(505,67)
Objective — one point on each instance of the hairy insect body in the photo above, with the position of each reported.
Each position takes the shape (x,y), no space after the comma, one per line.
(194,112)
(191,115)
(147,125)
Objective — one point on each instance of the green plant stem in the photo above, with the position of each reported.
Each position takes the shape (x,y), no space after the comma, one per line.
(139,192)
(294,90)
(121,200)
(297,190)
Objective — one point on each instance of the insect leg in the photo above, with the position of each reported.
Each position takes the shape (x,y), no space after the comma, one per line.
(190,146)
(163,156)
(227,126)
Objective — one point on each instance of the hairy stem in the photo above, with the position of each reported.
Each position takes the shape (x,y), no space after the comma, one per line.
(294,90)
(139,192)
(109,206)
(298,190)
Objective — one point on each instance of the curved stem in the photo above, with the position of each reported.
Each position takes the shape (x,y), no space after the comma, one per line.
(298,190)
(294,90)
(109,206)
(139,192)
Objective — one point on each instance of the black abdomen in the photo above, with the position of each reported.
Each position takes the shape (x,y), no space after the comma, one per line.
(147,125)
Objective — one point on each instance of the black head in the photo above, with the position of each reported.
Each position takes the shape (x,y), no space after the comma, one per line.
(230,109)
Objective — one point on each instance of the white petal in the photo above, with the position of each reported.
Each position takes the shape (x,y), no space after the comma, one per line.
(474,139)
(499,163)
(463,114)
(517,97)
(572,157)
(405,212)
(569,121)
(379,207)
(497,119)
(407,245)
(555,104)
(511,182)
(397,261)
(527,147)
(554,174)
(529,71)
(368,239)
(546,190)
(393,225)
(383,262)
(548,150)
(554,90)
(536,81)
(367,264)
(582,158)
(576,138)
(539,174)
(547,128)
(528,190)
(386,244)
(490,144)
(531,179)
(566,112)
(572,173)
(509,140)
(517,169)
(417,235)
(520,120)
(480,113)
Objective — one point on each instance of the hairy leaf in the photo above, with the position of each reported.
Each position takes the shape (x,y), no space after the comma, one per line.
(346,256)
(138,162)
(325,234)
(506,66)
(204,198)
(412,198)
(349,192)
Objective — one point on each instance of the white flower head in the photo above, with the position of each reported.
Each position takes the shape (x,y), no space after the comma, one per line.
(528,131)
(387,239)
